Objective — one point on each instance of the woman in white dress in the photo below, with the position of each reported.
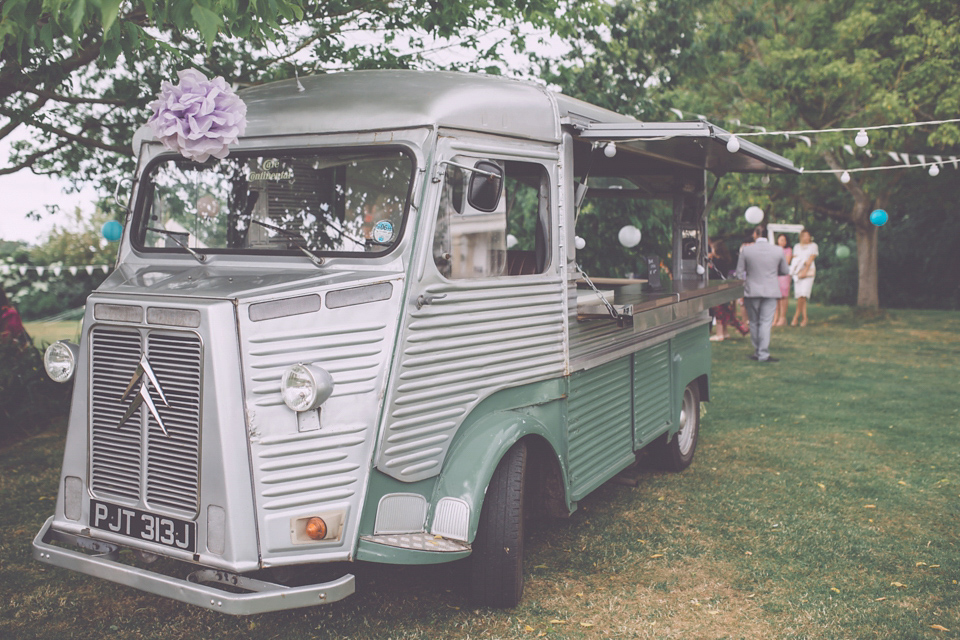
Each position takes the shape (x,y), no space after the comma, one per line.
(803,270)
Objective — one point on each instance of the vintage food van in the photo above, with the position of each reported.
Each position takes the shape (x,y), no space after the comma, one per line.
(364,336)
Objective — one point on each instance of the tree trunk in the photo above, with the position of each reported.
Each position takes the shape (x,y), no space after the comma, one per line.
(868,294)
(867,276)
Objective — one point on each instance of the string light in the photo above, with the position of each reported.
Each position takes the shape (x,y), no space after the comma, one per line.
(845,177)
(861,140)
(733,144)
(888,167)
(846,129)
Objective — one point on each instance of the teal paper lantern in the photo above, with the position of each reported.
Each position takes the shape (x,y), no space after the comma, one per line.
(112,230)
(843,251)
(879,217)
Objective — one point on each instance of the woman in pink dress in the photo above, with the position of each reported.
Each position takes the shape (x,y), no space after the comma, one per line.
(780,315)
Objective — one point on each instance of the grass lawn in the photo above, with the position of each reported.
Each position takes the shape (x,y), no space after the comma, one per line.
(44,333)
(824,502)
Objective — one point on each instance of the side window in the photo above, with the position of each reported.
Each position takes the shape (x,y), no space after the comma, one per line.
(480,234)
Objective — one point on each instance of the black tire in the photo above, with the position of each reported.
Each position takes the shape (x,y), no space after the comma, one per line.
(496,564)
(677,454)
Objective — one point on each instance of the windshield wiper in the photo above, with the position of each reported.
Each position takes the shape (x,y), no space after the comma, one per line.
(173,236)
(314,258)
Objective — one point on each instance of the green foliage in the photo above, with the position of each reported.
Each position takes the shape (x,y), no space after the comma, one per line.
(76,243)
(919,257)
(599,224)
(79,73)
(786,66)
(29,399)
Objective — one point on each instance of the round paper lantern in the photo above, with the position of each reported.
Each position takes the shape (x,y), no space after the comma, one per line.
(843,251)
(754,214)
(879,217)
(112,230)
(629,236)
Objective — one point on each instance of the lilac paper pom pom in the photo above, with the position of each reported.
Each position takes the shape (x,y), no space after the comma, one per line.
(198,117)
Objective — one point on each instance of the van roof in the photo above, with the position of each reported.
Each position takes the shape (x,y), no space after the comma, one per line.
(398,99)
(370,100)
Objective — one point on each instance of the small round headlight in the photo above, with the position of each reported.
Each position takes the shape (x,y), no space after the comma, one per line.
(305,387)
(60,360)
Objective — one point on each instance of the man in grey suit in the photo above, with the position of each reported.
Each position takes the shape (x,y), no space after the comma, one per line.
(759,265)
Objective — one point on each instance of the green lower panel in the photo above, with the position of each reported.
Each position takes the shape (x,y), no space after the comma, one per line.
(651,392)
(600,425)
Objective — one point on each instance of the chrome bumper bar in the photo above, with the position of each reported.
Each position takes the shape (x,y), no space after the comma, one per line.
(262,596)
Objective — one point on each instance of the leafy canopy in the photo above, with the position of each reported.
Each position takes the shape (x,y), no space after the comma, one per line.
(79,73)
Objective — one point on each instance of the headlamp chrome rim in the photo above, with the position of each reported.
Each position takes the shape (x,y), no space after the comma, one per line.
(305,387)
(60,360)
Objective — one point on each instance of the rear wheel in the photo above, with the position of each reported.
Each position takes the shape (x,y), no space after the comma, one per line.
(496,564)
(677,454)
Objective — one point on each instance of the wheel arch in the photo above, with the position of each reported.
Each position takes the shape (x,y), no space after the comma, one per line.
(703,381)
(474,457)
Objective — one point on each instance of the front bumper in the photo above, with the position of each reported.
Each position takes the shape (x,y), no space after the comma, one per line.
(261,596)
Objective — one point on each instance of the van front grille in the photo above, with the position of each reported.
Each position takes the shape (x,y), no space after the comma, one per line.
(157,468)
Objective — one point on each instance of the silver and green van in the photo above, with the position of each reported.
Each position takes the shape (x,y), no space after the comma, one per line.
(364,335)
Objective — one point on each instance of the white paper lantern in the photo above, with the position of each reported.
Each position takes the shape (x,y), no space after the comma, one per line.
(629,236)
(753,214)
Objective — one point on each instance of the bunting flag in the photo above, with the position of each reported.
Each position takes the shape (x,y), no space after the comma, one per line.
(8,268)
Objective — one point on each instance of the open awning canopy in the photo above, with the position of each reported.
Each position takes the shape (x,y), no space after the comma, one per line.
(685,145)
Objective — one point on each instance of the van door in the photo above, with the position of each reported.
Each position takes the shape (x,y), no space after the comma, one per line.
(486,304)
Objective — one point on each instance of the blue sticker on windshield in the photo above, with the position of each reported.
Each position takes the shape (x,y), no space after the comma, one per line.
(383,232)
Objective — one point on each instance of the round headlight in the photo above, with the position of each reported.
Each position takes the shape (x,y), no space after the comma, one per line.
(60,360)
(305,387)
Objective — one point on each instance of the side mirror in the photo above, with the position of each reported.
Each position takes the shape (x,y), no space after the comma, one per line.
(486,186)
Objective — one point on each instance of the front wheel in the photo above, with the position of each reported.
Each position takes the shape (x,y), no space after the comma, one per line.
(496,564)
(677,454)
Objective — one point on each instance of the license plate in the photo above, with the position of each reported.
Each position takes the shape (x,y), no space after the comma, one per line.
(141,525)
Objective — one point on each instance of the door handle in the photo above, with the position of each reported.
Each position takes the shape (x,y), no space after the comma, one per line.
(427,298)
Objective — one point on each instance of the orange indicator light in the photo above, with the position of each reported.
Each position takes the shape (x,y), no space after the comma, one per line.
(316,528)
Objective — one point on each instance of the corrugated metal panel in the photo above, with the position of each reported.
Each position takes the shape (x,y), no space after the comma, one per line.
(690,340)
(474,339)
(651,391)
(309,468)
(148,468)
(173,459)
(116,449)
(298,473)
(600,425)
(352,354)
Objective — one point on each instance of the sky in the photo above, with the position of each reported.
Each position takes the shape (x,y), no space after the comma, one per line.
(23,192)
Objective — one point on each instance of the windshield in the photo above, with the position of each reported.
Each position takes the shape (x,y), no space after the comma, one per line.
(322,203)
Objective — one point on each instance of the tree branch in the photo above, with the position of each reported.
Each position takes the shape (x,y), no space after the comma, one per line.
(50,95)
(16,122)
(830,213)
(72,137)
(33,157)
